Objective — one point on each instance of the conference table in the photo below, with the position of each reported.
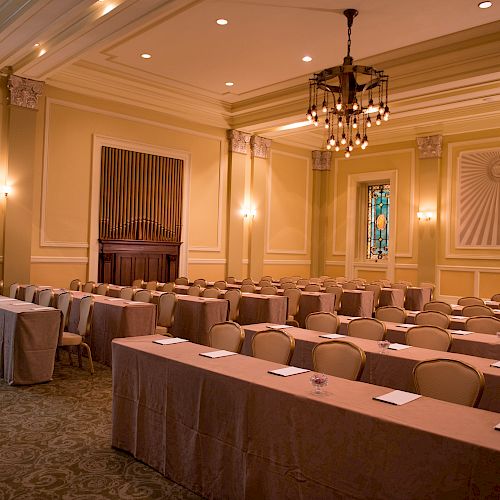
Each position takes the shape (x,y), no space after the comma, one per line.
(259,308)
(391,369)
(226,428)
(311,302)
(357,303)
(28,341)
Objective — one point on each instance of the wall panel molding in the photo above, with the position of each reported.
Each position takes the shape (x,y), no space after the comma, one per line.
(207,261)
(42,259)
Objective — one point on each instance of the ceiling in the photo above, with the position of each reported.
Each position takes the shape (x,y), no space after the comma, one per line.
(94,46)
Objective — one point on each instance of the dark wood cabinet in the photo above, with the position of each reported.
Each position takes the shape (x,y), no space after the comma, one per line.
(122,261)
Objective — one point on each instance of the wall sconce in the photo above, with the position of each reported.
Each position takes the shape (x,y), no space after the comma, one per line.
(425,216)
(6,190)
(248,213)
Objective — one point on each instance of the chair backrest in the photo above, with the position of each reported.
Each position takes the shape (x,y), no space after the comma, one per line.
(88,287)
(231,280)
(211,292)
(437,305)
(427,284)
(227,335)
(127,293)
(483,324)
(273,345)
(166,309)
(85,319)
(45,297)
(287,285)
(13,290)
(429,337)
(264,283)
(312,287)
(432,318)
(1,287)
(151,285)
(29,293)
(138,283)
(63,303)
(168,287)
(247,288)
(293,295)
(285,279)
(102,289)
(329,282)
(470,301)
(194,290)
(449,380)
(337,290)
(477,310)
(391,313)
(201,282)
(269,290)
(233,296)
(142,296)
(401,286)
(339,359)
(75,284)
(376,293)
(247,281)
(181,280)
(326,322)
(496,297)
(303,282)
(366,328)
(350,285)
(267,278)
(221,285)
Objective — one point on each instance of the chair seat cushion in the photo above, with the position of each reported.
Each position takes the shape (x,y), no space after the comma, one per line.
(69,338)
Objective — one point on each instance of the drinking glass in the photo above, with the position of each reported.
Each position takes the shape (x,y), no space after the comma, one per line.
(319,381)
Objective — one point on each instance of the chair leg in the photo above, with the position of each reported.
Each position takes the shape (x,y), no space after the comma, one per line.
(80,356)
(69,356)
(89,355)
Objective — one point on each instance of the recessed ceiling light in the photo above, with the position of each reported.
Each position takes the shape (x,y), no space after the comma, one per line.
(42,52)
(146,56)
(229,84)
(484,5)
(37,44)
(307,58)
(222,22)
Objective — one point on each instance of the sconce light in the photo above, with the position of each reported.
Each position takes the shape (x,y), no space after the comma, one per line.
(6,190)
(425,216)
(248,212)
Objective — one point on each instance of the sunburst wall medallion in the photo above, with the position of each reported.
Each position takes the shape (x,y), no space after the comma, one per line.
(478,199)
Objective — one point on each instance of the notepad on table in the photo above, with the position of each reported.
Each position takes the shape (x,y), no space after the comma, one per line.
(398,347)
(279,327)
(332,336)
(174,340)
(497,427)
(460,332)
(217,354)
(496,364)
(397,397)
(458,317)
(43,309)
(406,325)
(288,371)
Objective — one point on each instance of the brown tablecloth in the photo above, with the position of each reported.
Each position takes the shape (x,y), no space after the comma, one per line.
(417,297)
(113,318)
(28,341)
(357,303)
(225,428)
(194,316)
(257,308)
(457,310)
(391,297)
(314,302)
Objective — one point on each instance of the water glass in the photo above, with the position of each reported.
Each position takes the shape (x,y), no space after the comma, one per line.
(319,381)
(383,345)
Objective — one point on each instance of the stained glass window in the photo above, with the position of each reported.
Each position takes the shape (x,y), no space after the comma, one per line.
(378,221)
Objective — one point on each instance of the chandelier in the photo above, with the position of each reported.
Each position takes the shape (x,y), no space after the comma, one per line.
(350,94)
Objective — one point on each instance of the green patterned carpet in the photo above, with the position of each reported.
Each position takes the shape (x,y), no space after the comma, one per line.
(55,443)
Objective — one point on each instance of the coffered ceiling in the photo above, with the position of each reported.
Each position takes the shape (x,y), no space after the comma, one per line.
(435,53)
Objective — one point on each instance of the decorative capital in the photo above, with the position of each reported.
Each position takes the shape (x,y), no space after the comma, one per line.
(430,146)
(24,92)
(260,147)
(238,141)
(322,160)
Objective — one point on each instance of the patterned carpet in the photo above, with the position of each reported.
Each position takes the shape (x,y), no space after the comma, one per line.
(55,443)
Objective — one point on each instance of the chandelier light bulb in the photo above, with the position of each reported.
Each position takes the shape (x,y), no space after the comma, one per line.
(365,142)
(315,122)
(355,123)
(386,117)
(358,139)
(341,123)
(371,108)
(378,121)
(332,141)
(363,146)
(313,111)
(337,148)
(343,140)
(381,108)
(339,104)
(368,122)
(325,109)
(355,106)
(386,113)
(347,154)
(351,147)
(328,146)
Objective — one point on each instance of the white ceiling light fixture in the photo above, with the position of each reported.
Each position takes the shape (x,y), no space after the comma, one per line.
(146,55)
(348,94)
(307,58)
(484,5)
(222,21)
(229,84)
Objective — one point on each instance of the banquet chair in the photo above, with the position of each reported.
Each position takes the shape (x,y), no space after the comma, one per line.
(151,285)
(432,286)
(102,289)
(63,302)
(77,339)
(325,322)
(391,313)
(231,280)
(429,337)
(227,335)
(194,290)
(496,297)
(88,287)
(402,286)
(262,283)
(293,295)
(233,296)
(14,290)
(269,290)
(267,278)
(138,283)
(376,289)
(285,279)
(312,287)
(247,281)
(287,285)
(470,301)
(29,293)
(201,282)
(221,285)
(75,285)
(438,305)
(127,293)
(211,293)
(273,345)
(168,287)
(341,279)
(477,310)
(247,288)
(432,318)
(329,282)
(449,380)
(142,296)
(1,287)
(367,328)
(166,310)
(339,359)
(181,280)
(337,290)
(350,285)
(303,282)
(44,297)
(483,324)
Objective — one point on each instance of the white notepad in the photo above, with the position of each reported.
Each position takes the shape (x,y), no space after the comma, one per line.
(279,327)
(350,318)
(496,364)
(289,370)
(398,347)
(217,354)
(6,298)
(397,397)
(111,299)
(174,340)
(412,313)
(332,336)
(406,325)
(497,427)
(458,317)
(496,311)
(490,302)
(43,308)
(460,332)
